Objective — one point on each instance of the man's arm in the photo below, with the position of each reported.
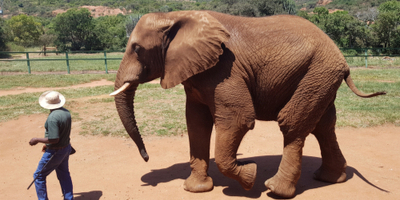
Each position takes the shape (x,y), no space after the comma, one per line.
(34,141)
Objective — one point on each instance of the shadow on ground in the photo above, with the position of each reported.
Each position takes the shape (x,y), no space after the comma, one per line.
(267,166)
(92,195)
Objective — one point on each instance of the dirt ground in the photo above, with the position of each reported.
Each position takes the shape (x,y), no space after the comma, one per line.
(111,167)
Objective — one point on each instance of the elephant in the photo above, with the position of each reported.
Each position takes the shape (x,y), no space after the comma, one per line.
(236,70)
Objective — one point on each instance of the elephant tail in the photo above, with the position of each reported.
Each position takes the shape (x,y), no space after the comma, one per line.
(353,88)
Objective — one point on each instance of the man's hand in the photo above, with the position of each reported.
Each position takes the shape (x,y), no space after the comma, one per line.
(33,141)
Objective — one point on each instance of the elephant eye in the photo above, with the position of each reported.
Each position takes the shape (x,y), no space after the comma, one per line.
(137,49)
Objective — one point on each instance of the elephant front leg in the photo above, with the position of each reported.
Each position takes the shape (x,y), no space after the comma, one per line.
(199,124)
(226,146)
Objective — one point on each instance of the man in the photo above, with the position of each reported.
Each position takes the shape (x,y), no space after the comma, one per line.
(57,148)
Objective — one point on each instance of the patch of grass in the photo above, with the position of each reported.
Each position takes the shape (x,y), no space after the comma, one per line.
(158,112)
(358,112)
(99,127)
(37,81)
(373,61)
(378,75)
(99,100)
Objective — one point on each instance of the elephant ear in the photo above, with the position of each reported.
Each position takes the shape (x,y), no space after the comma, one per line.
(192,45)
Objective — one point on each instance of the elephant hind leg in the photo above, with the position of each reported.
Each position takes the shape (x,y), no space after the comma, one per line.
(333,168)
(297,119)
(283,183)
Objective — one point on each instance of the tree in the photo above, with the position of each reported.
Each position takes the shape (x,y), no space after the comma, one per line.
(47,39)
(303,14)
(369,15)
(131,22)
(25,30)
(387,26)
(3,46)
(319,17)
(110,31)
(345,30)
(244,8)
(390,6)
(289,6)
(255,8)
(268,7)
(75,27)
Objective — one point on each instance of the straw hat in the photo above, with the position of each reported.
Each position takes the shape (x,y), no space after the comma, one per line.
(51,100)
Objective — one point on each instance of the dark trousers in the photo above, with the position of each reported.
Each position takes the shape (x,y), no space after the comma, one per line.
(59,163)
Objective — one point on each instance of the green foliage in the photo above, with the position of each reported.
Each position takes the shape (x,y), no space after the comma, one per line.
(344,29)
(387,26)
(321,11)
(390,6)
(254,8)
(303,14)
(25,30)
(47,39)
(130,22)
(110,31)
(3,46)
(289,6)
(341,27)
(75,27)
(319,17)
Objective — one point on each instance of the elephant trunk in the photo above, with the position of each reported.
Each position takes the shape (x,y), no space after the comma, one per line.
(124,104)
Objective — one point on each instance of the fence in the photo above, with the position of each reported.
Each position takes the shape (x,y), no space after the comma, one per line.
(347,52)
(370,52)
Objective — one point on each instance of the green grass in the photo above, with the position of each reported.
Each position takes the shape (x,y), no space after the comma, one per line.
(358,112)
(158,112)
(37,81)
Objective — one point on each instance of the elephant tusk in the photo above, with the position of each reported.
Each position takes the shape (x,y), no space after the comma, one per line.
(121,89)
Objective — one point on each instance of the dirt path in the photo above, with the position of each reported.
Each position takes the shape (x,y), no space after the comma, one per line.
(111,168)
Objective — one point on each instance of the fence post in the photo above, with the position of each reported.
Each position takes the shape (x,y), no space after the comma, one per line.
(66,56)
(29,64)
(366,58)
(105,61)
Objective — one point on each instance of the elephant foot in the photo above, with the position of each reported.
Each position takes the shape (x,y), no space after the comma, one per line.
(330,176)
(198,184)
(281,187)
(247,174)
